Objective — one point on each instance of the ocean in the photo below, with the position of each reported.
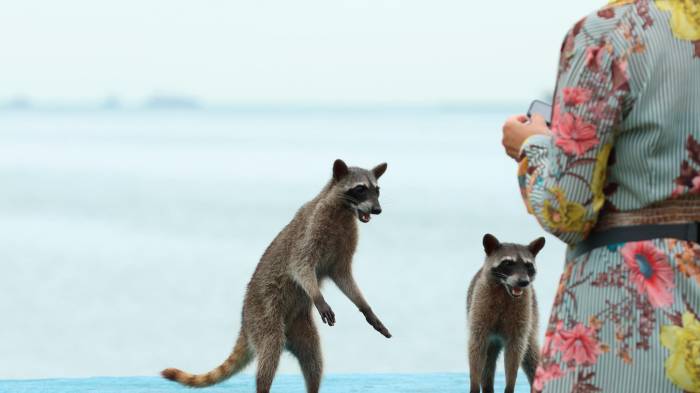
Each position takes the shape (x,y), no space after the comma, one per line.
(127,238)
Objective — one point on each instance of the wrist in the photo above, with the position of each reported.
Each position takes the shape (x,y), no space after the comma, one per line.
(534,139)
(319,300)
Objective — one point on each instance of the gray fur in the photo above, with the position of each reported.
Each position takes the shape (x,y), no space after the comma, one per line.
(498,320)
(318,243)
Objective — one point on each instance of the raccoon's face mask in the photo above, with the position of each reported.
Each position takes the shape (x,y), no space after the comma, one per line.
(359,187)
(514,274)
(513,265)
(365,200)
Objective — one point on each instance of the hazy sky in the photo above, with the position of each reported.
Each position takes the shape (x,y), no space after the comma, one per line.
(301,51)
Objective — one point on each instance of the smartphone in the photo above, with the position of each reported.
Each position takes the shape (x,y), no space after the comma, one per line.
(541,108)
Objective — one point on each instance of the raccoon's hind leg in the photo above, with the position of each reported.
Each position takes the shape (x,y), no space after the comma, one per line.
(487,376)
(515,348)
(303,342)
(268,343)
(477,359)
(531,359)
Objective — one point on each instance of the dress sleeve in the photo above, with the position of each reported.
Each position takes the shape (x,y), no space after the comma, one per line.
(562,175)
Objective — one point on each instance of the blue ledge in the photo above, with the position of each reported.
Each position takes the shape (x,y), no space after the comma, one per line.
(338,383)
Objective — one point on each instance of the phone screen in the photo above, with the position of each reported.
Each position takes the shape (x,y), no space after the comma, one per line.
(541,108)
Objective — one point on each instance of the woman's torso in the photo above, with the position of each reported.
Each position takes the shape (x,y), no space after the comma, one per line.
(655,155)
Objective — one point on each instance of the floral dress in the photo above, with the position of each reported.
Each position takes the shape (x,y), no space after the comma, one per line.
(625,135)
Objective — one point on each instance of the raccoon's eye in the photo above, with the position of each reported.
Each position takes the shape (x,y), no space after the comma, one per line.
(360,190)
(530,268)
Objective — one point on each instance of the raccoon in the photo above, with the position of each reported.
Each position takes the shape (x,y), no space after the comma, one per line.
(502,314)
(318,243)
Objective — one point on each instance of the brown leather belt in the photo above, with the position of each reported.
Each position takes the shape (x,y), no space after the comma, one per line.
(670,219)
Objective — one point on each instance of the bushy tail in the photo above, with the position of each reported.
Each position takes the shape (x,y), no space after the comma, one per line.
(239,358)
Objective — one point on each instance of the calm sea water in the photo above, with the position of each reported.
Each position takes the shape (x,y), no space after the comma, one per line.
(127,238)
(360,383)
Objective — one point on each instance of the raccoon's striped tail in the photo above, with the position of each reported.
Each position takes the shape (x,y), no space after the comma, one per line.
(237,360)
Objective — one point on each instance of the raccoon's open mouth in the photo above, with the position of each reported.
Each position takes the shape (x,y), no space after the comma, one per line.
(364,217)
(514,291)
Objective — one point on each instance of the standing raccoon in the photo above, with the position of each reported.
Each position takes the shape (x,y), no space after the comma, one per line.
(318,243)
(502,314)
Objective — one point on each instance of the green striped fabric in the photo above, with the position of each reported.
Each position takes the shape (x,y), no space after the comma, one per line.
(625,134)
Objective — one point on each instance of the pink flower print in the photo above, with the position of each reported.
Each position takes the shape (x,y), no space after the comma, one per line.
(580,345)
(552,339)
(555,112)
(546,374)
(620,77)
(594,57)
(574,135)
(607,13)
(576,95)
(678,191)
(649,272)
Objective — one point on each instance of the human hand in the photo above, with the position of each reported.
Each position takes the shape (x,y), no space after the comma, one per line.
(520,127)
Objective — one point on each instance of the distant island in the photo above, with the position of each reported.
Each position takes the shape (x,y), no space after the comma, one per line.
(171,102)
(17,103)
(183,102)
(108,103)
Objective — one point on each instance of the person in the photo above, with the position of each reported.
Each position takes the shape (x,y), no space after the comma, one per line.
(617,177)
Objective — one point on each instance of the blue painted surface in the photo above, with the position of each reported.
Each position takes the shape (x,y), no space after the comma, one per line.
(350,383)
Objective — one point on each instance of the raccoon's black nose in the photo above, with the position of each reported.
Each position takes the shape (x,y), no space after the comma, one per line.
(376,210)
(523,283)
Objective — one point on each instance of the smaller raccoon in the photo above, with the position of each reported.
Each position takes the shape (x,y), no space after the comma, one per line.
(502,314)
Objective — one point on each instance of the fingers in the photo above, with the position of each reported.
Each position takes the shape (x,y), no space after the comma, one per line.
(378,325)
(384,331)
(327,314)
(328,318)
(518,119)
(517,129)
(512,127)
(513,124)
(538,120)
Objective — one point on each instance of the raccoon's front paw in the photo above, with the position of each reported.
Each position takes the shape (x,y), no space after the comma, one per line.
(327,314)
(377,324)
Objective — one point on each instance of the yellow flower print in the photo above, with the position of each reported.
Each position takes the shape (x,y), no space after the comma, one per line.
(685,17)
(599,174)
(567,217)
(683,363)
(522,166)
(687,260)
(525,185)
(620,2)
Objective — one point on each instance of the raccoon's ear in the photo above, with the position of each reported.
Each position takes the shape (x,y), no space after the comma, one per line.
(340,170)
(379,170)
(536,246)
(491,244)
